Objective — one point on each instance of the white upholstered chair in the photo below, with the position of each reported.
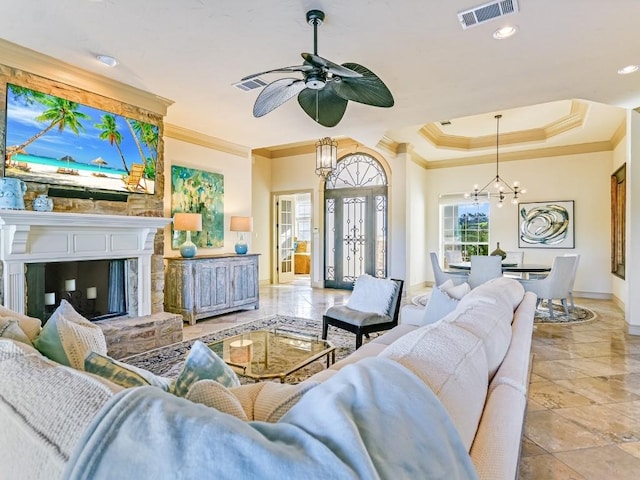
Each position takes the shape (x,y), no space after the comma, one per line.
(453,256)
(440,277)
(556,285)
(573,277)
(484,268)
(512,258)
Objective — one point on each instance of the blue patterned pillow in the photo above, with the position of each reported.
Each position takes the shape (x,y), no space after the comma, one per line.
(202,363)
(126,376)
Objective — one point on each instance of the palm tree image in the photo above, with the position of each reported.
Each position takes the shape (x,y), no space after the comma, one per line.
(61,113)
(148,134)
(111,134)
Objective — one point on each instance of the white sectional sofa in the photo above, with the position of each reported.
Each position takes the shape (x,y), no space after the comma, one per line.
(443,400)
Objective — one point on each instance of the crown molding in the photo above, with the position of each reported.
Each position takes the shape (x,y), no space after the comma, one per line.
(16,56)
(388,145)
(575,119)
(197,138)
(577,149)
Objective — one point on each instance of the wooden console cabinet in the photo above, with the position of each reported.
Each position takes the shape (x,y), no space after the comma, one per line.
(203,287)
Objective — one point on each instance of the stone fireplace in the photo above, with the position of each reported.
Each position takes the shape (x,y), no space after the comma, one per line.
(30,238)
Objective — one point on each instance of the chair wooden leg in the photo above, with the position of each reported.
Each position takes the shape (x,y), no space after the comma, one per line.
(325,329)
(358,340)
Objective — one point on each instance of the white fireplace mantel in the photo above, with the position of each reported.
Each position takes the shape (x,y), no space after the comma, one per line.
(40,237)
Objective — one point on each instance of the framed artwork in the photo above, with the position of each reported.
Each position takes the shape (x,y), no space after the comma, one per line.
(197,191)
(618,210)
(546,224)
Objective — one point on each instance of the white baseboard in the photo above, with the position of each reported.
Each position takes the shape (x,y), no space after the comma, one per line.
(594,295)
(633,329)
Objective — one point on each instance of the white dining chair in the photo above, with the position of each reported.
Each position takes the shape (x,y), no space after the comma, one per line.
(513,258)
(453,256)
(484,268)
(573,277)
(556,285)
(441,277)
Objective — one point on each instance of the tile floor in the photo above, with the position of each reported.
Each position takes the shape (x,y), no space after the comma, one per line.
(583,419)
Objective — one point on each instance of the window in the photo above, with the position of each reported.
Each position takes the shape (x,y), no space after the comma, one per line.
(465,227)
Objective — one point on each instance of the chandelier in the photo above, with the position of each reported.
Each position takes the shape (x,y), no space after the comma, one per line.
(501,186)
(326,157)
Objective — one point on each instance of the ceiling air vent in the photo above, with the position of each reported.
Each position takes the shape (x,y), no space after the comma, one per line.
(250,84)
(488,11)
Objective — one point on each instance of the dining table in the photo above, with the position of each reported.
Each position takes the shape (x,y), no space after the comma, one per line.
(525,268)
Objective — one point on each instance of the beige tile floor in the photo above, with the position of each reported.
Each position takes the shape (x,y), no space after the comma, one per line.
(583,419)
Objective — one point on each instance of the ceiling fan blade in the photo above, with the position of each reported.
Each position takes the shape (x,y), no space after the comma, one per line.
(328,66)
(367,89)
(275,94)
(294,68)
(323,106)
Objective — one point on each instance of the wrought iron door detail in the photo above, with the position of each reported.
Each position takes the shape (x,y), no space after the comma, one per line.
(355,221)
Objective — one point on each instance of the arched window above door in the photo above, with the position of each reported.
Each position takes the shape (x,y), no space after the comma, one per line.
(357,170)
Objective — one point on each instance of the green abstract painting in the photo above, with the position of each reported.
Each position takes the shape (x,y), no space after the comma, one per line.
(196,191)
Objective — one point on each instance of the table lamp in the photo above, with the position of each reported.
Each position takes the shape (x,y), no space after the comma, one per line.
(241,224)
(188,222)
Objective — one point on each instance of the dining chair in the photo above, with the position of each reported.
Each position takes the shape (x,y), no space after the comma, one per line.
(513,258)
(556,285)
(573,277)
(440,277)
(453,256)
(484,268)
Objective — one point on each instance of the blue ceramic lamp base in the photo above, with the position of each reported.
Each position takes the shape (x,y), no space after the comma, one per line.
(241,247)
(188,249)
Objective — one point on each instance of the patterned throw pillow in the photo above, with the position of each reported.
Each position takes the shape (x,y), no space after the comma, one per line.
(202,363)
(10,328)
(68,337)
(30,326)
(126,376)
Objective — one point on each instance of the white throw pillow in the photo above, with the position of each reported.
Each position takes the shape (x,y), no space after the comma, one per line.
(444,300)
(30,326)
(372,294)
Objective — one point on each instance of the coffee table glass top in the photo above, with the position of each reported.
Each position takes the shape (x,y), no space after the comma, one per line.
(268,354)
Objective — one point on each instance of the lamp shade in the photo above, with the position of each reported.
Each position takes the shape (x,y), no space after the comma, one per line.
(241,224)
(190,222)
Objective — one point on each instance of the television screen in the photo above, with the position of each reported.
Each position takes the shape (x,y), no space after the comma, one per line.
(57,141)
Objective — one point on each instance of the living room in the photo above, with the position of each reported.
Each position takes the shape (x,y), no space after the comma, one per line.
(211,139)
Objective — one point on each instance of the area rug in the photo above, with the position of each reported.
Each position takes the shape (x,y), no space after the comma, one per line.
(168,361)
(577,315)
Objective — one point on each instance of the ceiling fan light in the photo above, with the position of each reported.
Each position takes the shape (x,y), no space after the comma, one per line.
(628,69)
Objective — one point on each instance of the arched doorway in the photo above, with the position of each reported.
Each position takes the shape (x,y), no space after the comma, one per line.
(355,221)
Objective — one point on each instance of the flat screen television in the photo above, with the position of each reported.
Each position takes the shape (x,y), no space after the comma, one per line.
(64,143)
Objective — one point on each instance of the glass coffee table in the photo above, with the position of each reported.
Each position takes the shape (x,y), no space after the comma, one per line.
(271,354)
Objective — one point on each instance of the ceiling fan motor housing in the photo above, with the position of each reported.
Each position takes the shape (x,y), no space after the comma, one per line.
(315,81)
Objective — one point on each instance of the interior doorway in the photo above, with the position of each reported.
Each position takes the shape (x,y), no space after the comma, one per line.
(293,237)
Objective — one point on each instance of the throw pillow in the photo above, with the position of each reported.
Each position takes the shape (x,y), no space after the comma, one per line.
(440,304)
(457,291)
(372,294)
(29,325)
(120,373)
(215,395)
(202,363)
(68,337)
(10,328)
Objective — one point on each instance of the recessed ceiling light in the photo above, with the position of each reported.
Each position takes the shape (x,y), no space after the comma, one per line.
(505,32)
(107,60)
(628,69)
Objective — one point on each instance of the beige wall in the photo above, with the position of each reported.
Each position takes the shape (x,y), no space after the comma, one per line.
(237,186)
(582,178)
(261,212)
(418,262)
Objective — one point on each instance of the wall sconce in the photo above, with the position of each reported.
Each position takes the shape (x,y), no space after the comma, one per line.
(326,157)
(241,224)
(188,222)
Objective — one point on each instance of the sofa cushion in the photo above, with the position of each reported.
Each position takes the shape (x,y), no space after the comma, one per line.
(203,363)
(371,294)
(370,349)
(10,328)
(30,326)
(356,317)
(68,337)
(453,363)
(122,374)
(392,335)
(215,395)
(11,348)
(501,289)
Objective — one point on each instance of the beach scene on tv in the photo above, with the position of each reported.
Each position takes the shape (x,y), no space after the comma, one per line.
(54,140)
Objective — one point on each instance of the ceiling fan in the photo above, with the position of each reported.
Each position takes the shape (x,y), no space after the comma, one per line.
(325,87)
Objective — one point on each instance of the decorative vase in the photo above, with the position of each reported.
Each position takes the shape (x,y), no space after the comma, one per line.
(42,203)
(12,191)
(499,252)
